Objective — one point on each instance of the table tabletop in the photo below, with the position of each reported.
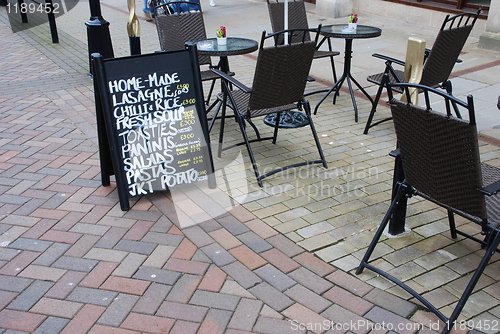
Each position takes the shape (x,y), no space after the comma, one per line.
(340,31)
(234,46)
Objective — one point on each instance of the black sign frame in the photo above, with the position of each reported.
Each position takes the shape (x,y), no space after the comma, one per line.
(137,78)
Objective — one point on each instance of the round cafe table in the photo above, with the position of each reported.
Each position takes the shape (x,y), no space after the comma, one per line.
(234,46)
(341,31)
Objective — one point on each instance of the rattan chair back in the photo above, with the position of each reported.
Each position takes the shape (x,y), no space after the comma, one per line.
(176,29)
(280,77)
(446,48)
(297,19)
(440,156)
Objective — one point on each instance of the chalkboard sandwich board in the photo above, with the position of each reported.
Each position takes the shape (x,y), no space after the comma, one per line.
(155,127)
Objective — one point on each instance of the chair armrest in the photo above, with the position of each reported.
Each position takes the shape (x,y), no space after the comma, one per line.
(390,59)
(232,80)
(491,189)
(428,51)
(395,153)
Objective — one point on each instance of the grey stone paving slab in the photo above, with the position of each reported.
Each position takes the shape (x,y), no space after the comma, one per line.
(233,225)
(245,314)
(275,277)
(135,246)
(111,237)
(285,245)
(118,310)
(218,318)
(152,298)
(8,253)
(92,296)
(34,245)
(244,276)
(218,254)
(182,311)
(74,263)
(51,255)
(390,302)
(215,300)
(307,278)
(254,242)
(30,296)
(308,298)
(12,283)
(51,325)
(271,296)
(199,237)
(393,322)
(276,326)
(157,275)
(347,320)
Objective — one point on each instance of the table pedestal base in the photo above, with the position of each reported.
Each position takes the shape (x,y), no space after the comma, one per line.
(288,119)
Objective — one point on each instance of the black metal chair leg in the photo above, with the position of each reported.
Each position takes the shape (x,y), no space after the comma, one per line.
(373,110)
(276,127)
(241,122)
(490,250)
(209,96)
(307,109)
(453,227)
(401,191)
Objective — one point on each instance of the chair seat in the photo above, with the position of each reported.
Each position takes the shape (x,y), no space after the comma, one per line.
(324,54)
(207,75)
(242,100)
(377,79)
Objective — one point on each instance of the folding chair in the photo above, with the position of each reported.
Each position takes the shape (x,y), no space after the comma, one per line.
(278,85)
(441,163)
(439,61)
(297,19)
(179,22)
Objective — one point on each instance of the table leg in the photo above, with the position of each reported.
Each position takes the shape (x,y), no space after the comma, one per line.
(224,67)
(348,77)
(398,218)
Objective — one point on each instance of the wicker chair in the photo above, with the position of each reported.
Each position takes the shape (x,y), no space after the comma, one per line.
(439,61)
(297,19)
(179,22)
(441,163)
(278,85)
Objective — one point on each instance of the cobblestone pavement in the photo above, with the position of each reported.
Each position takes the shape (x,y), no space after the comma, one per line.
(273,260)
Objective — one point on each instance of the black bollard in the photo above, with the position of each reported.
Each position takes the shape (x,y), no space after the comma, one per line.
(133,29)
(135,45)
(98,35)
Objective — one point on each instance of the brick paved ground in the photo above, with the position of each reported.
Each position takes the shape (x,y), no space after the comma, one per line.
(260,261)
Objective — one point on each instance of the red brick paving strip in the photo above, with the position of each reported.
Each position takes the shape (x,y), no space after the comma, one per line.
(21,321)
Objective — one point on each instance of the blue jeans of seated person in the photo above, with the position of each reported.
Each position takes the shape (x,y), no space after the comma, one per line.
(147,9)
(183,7)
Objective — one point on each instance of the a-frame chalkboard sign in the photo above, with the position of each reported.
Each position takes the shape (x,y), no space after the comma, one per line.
(151,122)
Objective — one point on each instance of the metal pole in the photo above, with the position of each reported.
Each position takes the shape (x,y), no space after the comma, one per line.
(133,29)
(52,22)
(98,36)
(24,17)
